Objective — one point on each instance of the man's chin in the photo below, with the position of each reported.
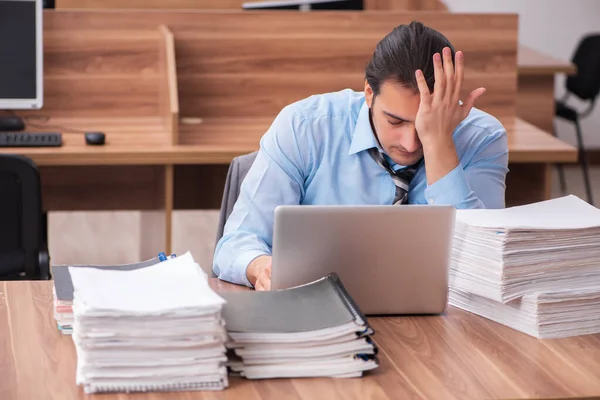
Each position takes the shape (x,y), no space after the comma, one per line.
(406,159)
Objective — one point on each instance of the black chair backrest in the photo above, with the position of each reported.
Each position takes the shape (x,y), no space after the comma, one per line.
(586,83)
(21,217)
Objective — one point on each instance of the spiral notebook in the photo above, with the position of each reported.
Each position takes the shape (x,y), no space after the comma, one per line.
(306,331)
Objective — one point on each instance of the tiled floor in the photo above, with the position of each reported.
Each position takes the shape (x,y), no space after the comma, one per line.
(113,237)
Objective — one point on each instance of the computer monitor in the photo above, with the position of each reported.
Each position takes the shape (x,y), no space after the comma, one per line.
(21,54)
(304,5)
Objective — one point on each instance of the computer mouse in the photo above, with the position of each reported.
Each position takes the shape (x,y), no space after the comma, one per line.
(94,138)
(11,123)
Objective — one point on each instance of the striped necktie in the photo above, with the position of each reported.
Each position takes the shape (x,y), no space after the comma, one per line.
(401,177)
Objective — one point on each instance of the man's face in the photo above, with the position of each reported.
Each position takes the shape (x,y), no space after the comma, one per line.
(393,113)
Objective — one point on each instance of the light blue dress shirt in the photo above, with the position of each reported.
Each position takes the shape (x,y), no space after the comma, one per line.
(315,152)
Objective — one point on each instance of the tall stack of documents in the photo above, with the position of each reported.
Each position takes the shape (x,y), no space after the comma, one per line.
(157,328)
(535,268)
(313,330)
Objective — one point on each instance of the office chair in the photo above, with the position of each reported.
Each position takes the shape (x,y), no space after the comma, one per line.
(23,248)
(585,84)
(238,169)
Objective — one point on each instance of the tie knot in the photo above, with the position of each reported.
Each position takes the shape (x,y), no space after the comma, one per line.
(401,178)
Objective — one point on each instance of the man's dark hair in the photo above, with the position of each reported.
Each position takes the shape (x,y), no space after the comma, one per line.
(403,51)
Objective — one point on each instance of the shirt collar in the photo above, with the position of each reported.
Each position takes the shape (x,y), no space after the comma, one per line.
(363,137)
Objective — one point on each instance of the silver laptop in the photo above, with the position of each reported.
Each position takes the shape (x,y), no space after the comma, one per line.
(391,259)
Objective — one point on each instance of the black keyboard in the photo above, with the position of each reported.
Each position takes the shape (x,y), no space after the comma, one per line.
(30,139)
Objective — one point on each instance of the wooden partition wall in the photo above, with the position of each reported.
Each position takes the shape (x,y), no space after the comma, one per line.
(244,67)
(122,82)
(179,94)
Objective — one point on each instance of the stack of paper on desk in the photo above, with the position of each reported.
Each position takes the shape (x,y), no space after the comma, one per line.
(63,290)
(513,265)
(157,328)
(307,331)
(543,315)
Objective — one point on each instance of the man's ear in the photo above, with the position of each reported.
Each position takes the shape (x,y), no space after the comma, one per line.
(368,94)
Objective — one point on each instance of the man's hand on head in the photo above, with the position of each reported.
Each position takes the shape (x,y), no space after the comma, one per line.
(259,272)
(440,113)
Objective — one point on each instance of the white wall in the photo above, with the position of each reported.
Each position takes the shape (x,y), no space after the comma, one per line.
(553,27)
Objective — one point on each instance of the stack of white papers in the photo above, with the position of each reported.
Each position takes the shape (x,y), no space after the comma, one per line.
(543,315)
(314,330)
(535,267)
(157,328)
(62,290)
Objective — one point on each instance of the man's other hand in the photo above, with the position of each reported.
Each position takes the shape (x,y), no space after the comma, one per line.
(259,272)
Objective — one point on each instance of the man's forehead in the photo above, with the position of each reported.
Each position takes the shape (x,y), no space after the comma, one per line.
(398,100)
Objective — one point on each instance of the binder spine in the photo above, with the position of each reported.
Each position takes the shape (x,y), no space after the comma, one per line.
(349,303)
(170,387)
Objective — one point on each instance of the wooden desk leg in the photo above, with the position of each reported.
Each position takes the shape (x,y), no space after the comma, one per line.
(528,183)
(156,225)
(535,100)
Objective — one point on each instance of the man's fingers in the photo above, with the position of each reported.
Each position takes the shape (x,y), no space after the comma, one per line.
(470,102)
(439,88)
(448,72)
(459,75)
(264,279)
(263,283)
(423,88)
(267,277)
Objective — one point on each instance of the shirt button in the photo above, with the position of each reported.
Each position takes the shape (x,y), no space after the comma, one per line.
(431,201)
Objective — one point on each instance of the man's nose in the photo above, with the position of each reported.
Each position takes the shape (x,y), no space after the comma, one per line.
(410,140)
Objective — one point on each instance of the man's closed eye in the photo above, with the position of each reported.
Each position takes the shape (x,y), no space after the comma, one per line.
(396,123)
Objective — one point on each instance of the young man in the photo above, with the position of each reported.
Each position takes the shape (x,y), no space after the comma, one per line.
(408,138)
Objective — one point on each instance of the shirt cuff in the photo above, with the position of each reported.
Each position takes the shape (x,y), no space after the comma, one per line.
(452,189)
(241,263)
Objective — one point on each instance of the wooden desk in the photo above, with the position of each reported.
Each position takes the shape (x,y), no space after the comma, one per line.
(454,356)
(535,100)
(167,176)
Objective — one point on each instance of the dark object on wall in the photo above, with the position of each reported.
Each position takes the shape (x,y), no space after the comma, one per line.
(300,4)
